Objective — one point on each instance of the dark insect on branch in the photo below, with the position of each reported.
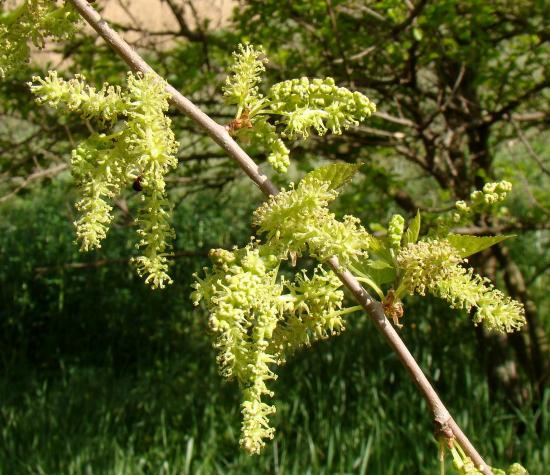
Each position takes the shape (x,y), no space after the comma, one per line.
(137,184)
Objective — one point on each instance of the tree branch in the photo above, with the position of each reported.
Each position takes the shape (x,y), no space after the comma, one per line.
(219,134)
(107,262)
(48,172)
(499,114)
(529,147)
(486,230)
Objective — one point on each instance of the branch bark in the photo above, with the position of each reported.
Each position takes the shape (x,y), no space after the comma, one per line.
(444,422)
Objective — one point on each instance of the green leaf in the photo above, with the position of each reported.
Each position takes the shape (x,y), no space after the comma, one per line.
(381,272)
(379,265)
(411,234)
(380,248)
(336,174)
(468,245)
(417,34)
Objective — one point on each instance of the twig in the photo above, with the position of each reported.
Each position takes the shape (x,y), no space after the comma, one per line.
(485,230)
(529,147)
(445,423)
(48,172)
(106,262)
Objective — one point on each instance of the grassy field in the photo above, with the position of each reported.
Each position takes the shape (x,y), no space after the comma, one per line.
(346,407)
(101,376)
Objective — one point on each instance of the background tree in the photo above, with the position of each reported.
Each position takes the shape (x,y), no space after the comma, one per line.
(455,81)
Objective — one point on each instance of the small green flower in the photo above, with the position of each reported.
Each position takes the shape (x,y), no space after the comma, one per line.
(298,220)
(32,22)
(291,109)
(317,104)
(481,201)
(434,266)
(134,140)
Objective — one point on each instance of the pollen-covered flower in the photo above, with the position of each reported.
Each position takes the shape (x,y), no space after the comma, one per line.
(291,109)
(434,266)
(298,220)
(314,312)
(134,139)
(259,321)
(241,85)
(242,296)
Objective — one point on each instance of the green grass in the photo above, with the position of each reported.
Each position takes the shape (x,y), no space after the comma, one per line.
(344,407)
(99,375)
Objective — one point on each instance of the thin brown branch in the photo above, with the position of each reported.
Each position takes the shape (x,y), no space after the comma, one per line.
(514,103)
(219,134)
(107,262)
(48,172)
(538,273)
(396,120)
(531,152)
(415,11)
(179,15)
(502,228)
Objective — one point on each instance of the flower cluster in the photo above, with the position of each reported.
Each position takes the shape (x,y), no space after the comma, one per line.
(134,144)
(480,201)
(241,293)
(435,266)
(465,466)
(297,106)
(317,104)
(314,312)
(396,227)
(264,133)
(298,219)
(33,21)
(257,324)
(241,86)
(491,194)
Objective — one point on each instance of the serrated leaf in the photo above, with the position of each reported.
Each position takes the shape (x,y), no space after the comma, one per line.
(411,234)
(336,174)
(375,245)
(468,245)
(380,249)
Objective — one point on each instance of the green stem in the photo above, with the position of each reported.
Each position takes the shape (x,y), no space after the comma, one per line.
(367,280)
(347,310)
(441,442)
(372,285)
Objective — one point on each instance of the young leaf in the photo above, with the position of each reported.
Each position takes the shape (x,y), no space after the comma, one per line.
(468,245)
(336,174)
(381,272)
(411,234)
